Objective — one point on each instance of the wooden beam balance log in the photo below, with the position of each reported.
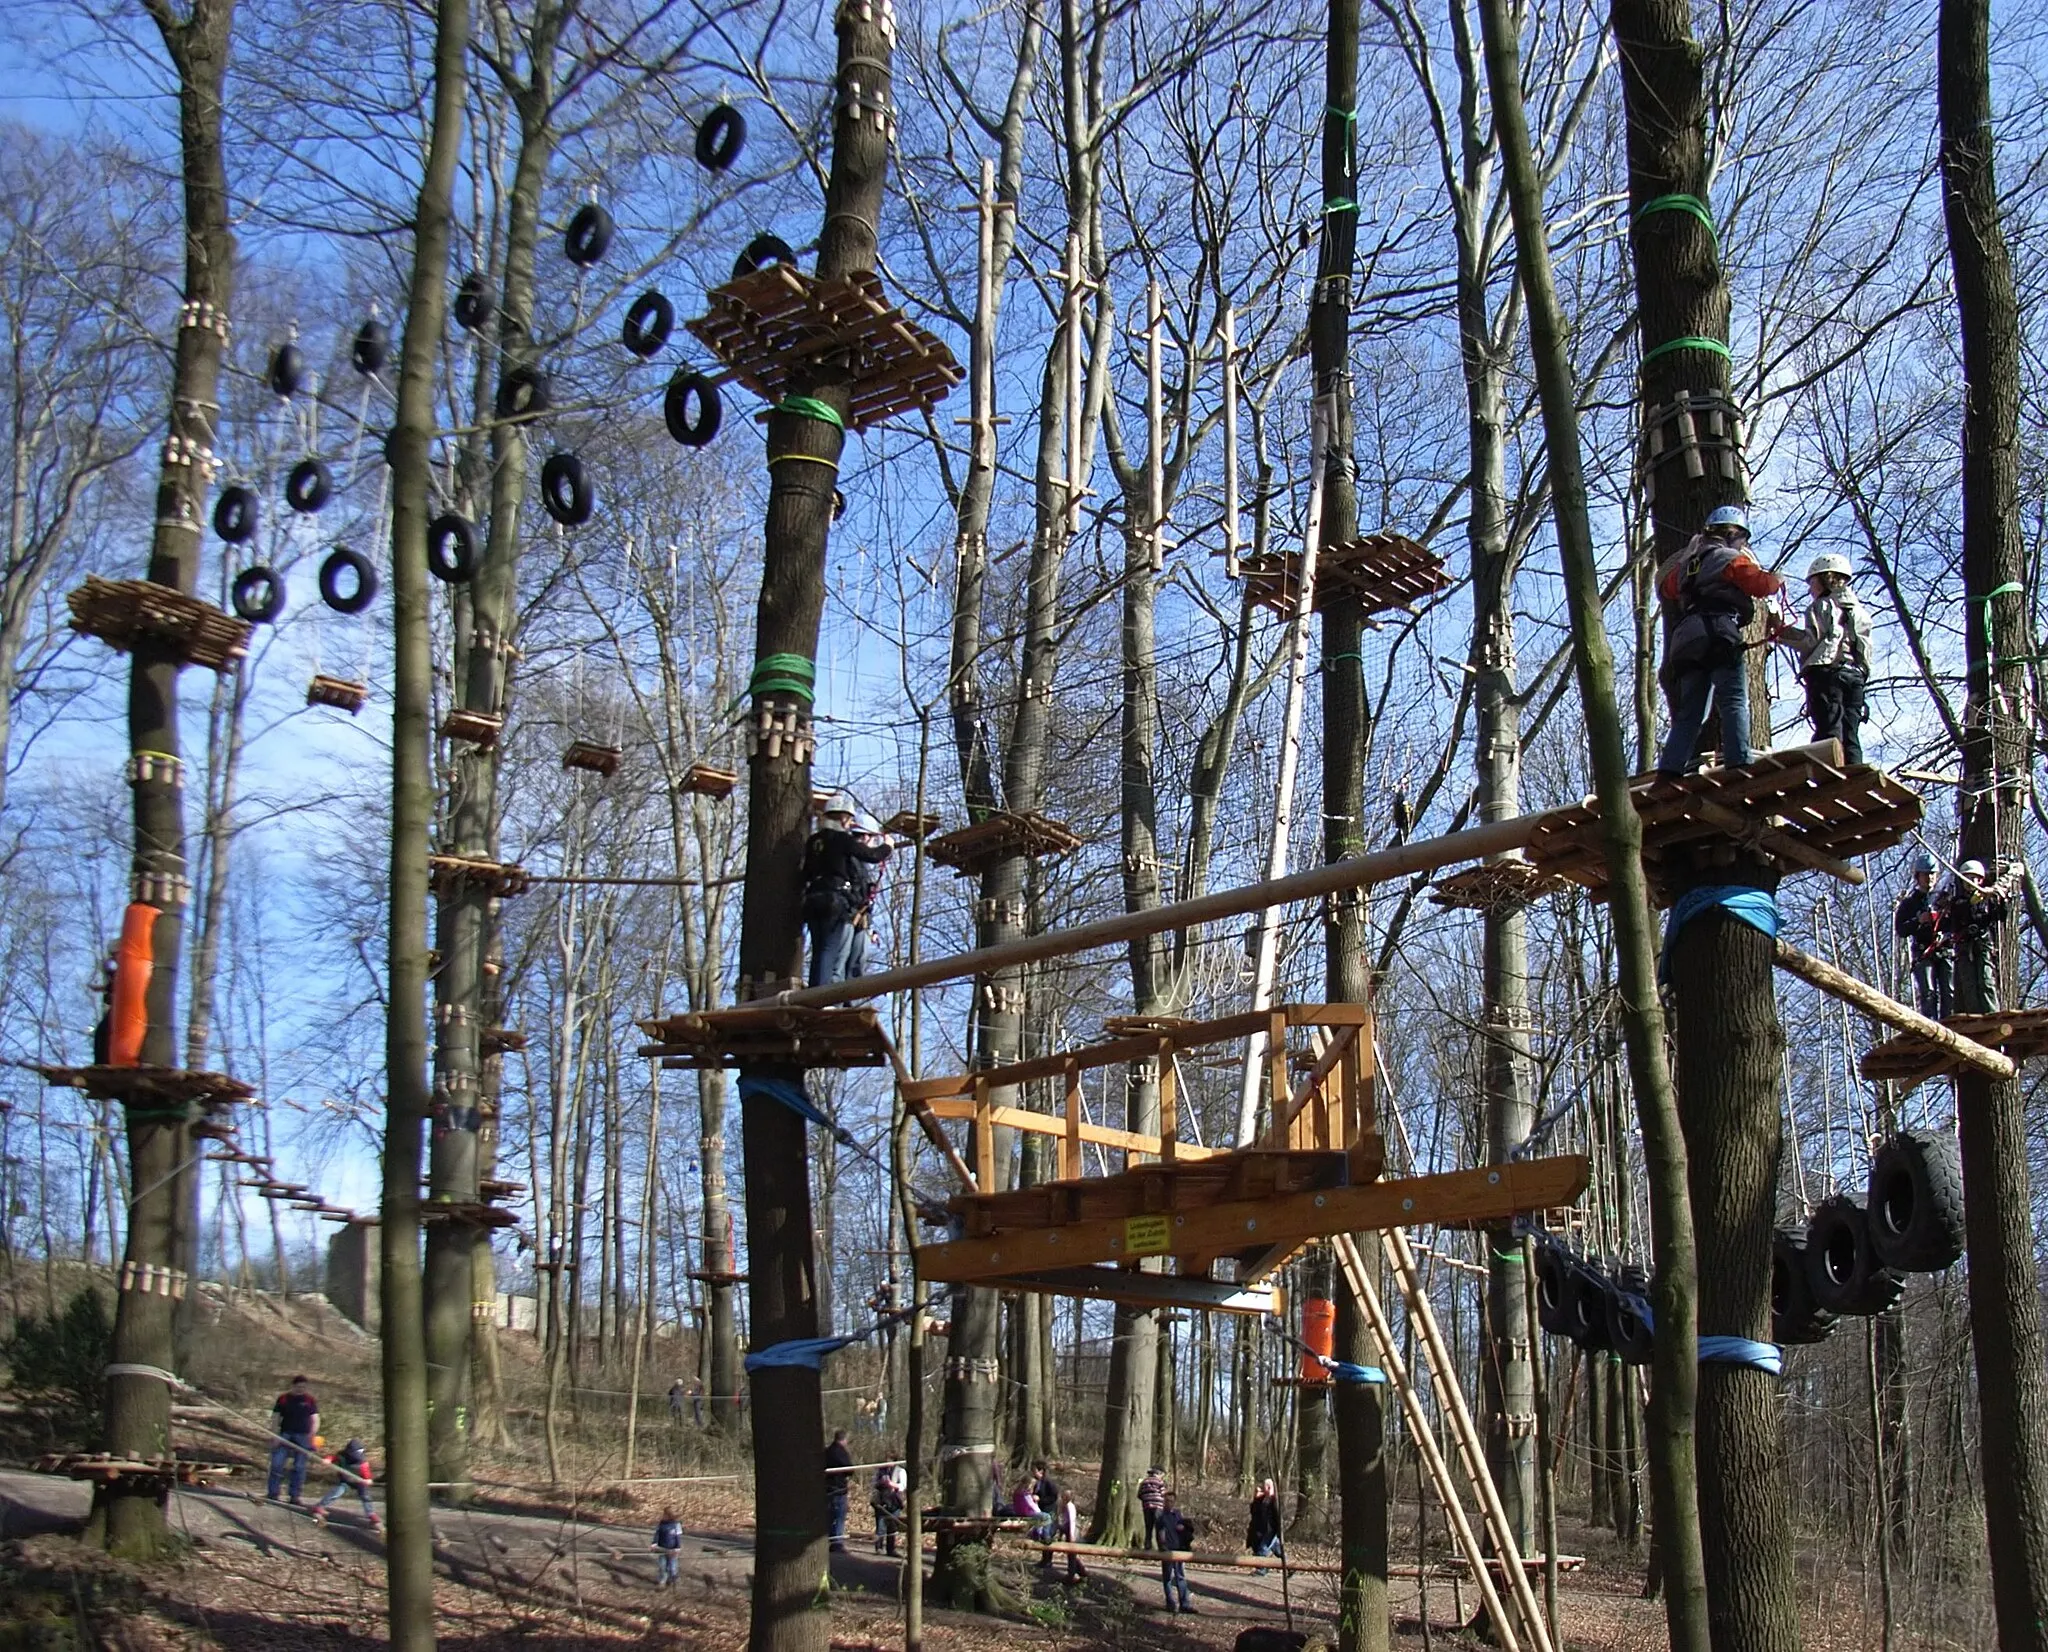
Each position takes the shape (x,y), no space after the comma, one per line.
(1891,1012)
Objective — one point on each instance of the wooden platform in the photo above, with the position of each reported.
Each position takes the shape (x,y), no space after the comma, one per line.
(452,875)
(772,324)
(908,823)
(768,1034)
(1382,571)
(342,693)
(499,1040)
(460,1213)
(593,758)
(152,1086)
(702,780)
(476,728)
(1172,1185)
(102,1465)
(1907,1059)
(124,612)
(971,850)
(1495,884)
(1794,808)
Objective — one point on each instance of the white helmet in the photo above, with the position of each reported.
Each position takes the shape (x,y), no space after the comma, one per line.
(839,804)
(1729,516)
(1830,562)
(1973,870)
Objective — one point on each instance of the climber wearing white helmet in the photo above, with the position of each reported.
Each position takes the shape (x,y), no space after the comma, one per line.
(1972,911)
(1834,653)
(841,870)
(1709,591)
(1916,920)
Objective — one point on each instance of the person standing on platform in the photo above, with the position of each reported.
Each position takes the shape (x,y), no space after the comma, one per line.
(838,1486)
(1916,920)
(1972,910)
(838,890)
(295,1420)
(1834,653)
(1710,590)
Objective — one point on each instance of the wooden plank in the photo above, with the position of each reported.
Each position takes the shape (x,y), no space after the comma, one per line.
(984,1138)
(1456,1198)
(1333,1053)
(1053,1124)
(1891,1012)
(1169,1102)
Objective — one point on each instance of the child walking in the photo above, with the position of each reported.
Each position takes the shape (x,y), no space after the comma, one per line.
(668,1550)
(352,1459)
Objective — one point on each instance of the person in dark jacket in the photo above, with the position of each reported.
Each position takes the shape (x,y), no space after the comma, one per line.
(1176,1534)
(668,1550)
(1262,1530)
(838,1486)
(294,1421)
(1971,912)
(352,1463)
(1709,591)
(1916,920)
(839,885)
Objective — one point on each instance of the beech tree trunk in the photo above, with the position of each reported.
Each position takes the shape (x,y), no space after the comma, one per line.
(1998,722)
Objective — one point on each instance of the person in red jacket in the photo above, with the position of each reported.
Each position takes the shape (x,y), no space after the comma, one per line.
(1709,590)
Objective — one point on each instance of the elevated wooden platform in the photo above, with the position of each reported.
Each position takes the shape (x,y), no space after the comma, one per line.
(908,823)
(452,875)
(101,1465)
(1795,808)
(770,325)
(342,693)
(971,850)
(476,728)
(164,1087)
(460,1213)
(1909,1059)
(1494,884)
(1382,571)
(124,612)
(702,780)
(768,1034)
(499,1040)
(593,758)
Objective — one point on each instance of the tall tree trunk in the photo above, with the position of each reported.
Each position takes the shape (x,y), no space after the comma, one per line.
(789,1508)
(128,1514)
(410,1563)
(1672,1447)
(2005,1300)
(1727,1068)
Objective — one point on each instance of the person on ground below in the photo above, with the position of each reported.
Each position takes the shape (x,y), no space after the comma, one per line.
(1024,1506)
(352,1459)
(668,1550)
(1916,920)
(295,1420)
(1070,1532)
(1176,1534)
(885,1497)
(838,891)
(1834,653)
(677,1393)
(1709,590)
(1262,1530)
(1152,1503)
(1971,911)
(1045,1492)
(838,1484)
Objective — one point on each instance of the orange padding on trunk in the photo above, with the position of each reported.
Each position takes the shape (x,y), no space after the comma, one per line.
(1319,1331)
(134,962)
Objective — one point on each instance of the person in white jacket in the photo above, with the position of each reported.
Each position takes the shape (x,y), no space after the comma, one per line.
(1834,653)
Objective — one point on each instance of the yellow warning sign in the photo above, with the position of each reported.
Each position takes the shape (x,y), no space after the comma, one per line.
(1146,1236)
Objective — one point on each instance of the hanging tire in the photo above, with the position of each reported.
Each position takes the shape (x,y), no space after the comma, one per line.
(1553,1283)
(565,490)
(721,135)
(257,595)
(1795,1316)
(1586,1312)
(474,303)
(1841,1261)
(234,514)
(684,388)
(762,250)
(648,324)
(1916,1201)
(451,549)
(838,504)
(343,564)
(523,393)
(287,370)
(309,486)
(372,347)
(1628,1317)
(589,236)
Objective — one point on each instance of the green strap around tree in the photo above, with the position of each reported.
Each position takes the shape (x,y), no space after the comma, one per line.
(809,407)
(1691,205)
(784,674)
(1692,341)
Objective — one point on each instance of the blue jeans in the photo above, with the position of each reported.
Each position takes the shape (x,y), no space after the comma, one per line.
(340,1489)
(284,1460)
(1269,1550)
(1173,1574)
(667,1569)
(835,1507)
(839,951)
(1691,686)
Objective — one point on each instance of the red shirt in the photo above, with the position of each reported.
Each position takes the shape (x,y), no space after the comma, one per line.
(296,1412)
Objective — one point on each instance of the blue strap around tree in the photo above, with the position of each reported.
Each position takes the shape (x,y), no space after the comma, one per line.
(805,1351)
(1761,1356)
(1756,907)
(793,1097)
(1342,1370)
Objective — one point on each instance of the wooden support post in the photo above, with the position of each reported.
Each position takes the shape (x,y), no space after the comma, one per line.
(1891,1012)
(1278,1132)
(1070,1144)
(984,1139)
(1276,1060)
(1169,1101)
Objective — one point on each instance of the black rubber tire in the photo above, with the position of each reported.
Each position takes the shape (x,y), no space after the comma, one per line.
(309,486)
(721,135)
(1586,1311)
(524,393)
(1553,1275)
(372,347)
(1916,1201)
(1841,1262)
(1628,1329)
(341,560)
(1795,1317)
(589,235)
(565,491)
(234,514)
(451,548)
(474,302)
(287,370)
(648,324)
(764,249)
(258,595)
(675,409)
